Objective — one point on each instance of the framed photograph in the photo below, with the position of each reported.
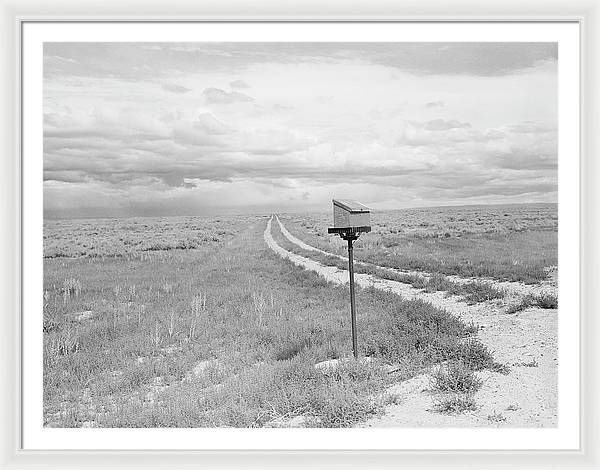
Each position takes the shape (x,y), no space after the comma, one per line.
(327,235)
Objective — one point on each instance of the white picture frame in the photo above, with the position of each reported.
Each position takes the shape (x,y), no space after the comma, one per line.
(16,13)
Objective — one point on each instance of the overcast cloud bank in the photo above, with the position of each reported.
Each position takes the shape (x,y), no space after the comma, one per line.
(172,129)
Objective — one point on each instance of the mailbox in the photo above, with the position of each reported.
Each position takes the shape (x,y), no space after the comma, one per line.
(350,219)
(350,214)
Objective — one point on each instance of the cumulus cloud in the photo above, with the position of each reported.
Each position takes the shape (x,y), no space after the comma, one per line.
(218,96)
(434,104)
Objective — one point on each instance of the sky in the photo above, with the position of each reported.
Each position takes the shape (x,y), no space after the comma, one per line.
(157,129)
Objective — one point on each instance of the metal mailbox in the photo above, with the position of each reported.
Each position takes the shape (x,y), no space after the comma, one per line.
(348,214)
(350,219)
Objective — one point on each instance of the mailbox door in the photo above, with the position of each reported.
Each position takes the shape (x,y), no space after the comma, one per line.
(360,219)
(341,217)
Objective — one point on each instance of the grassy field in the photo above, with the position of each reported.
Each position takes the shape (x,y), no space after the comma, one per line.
(134,236)
(471,292)
(194,322)
(514,243)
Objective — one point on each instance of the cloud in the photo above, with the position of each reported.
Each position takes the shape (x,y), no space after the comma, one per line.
(132,61)
(529,127)
(115,141)
(111,148)
(206,149)
(218,96)
(204,130)
(239,85)
(442,125)
(172,87)
(479,59)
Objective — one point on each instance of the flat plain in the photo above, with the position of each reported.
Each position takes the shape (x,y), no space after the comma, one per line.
(198,322)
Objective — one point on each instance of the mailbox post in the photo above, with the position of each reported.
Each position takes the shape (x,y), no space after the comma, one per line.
(350,219)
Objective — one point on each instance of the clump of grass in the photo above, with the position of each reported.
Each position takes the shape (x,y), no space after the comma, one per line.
(496,417)
(418,282)
(438,282)
(545,300)
(351,370)
(392,399)
(198,306)
(413,328)
(475,356)
(515,308)
(64,344)
(549,301)
(455,403)
(289,349)
(472,292)
(532,363)
(455,377)
(475,292)
(346,407)
(131,379)
(50,325)
(71,287)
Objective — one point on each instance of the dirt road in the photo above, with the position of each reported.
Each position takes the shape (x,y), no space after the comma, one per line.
(515,288)
(525,341)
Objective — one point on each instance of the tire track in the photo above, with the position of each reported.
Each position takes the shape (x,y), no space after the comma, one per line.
(515,288)
(527,397)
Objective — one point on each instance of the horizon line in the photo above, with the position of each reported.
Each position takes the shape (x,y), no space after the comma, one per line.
(268,213)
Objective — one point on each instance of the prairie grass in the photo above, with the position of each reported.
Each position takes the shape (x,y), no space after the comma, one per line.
(454,403)
(496,417)
(532,363)
(134,237)
(260,321)
(472,292)
(513,242)
(475,355)
(546,301)
(455,377)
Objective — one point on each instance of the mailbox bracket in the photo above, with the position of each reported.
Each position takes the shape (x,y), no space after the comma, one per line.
(349,232)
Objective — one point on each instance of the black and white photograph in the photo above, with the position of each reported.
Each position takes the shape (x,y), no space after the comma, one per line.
(300,234)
